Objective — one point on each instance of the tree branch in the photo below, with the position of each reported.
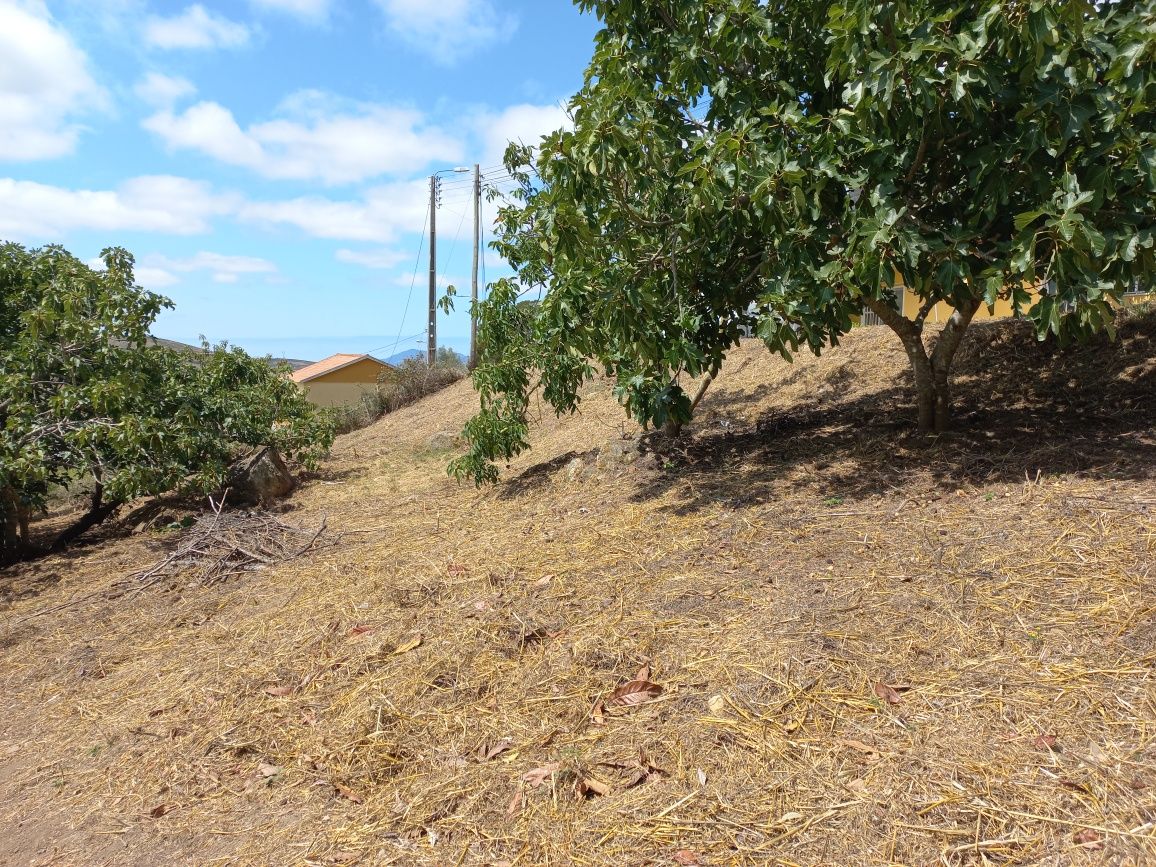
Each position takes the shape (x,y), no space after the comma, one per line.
(892,318)
(952,335)
(920,153)
(924,310)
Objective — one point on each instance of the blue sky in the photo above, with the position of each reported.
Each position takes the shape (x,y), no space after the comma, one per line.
(266,161)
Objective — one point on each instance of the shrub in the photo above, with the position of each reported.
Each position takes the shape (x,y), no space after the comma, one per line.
(407,383)
(85,402)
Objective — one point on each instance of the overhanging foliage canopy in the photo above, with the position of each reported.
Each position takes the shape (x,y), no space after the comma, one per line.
(736,163)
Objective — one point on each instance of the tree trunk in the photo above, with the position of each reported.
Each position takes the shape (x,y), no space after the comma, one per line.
(931,371)
(673,428)
(926,395)
(12,537)
(98,511)
(942,358)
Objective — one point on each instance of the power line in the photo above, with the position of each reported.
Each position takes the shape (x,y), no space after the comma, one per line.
(413,280)
(396,343)
(454,244)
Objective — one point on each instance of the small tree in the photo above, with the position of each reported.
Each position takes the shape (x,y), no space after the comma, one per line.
(85,401)
(736,164)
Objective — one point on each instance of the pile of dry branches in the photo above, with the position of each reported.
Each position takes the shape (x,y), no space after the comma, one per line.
(222,544)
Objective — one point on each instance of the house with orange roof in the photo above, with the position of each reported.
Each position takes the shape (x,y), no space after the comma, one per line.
(341,379)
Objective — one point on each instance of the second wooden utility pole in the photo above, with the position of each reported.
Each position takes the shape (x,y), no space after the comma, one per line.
(432,329)
(474,280)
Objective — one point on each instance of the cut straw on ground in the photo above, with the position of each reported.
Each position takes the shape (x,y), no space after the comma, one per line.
(864,648)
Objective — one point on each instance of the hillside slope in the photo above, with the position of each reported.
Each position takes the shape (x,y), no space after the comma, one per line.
(873,649)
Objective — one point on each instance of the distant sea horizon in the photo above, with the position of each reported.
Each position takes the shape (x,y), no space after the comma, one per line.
(315,348)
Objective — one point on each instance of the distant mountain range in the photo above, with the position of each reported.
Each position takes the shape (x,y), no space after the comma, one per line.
(399,357)
(294,363)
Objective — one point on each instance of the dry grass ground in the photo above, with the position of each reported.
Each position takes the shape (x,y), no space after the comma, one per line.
(873,649)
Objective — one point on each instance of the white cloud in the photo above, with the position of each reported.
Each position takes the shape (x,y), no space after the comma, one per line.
(517,123)
(217,263)
(44,84)
(444,281)
(164,204)
(154,278)
(306,10)
(380,215)
(151,203)
(308,144)
(162,91)
(155,271)
(448,29)
(197,28)
(380,257)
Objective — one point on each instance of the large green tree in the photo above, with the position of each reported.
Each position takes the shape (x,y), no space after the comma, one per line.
(783,166)
(86,402)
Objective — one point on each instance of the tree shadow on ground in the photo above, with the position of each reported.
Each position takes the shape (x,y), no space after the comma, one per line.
(538,476)
(1023,408)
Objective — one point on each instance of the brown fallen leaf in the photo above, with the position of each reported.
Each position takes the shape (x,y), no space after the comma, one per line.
(308,679)
(268,770)
(515,803)
(1089,839)
(1046,742)
(407,646)
(634,693)
(280,691)
(485,752)
(347,793)
(540,775)
(309,716)
(543,582)
(861,747)
(361,629)
(589,786)
(158,811)
(457,569)
(598,714)
(643,775)
(643,769)
(686,858)
(643,673)
(888,693)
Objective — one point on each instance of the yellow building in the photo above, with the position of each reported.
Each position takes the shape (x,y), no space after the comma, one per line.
(908,303)
(340,379)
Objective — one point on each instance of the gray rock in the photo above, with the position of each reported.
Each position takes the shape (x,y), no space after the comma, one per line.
(618,451)
(443,441)
(574,469)
(260,477)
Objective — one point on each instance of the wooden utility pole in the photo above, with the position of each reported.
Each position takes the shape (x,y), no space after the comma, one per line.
(474,280)
(432,329)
